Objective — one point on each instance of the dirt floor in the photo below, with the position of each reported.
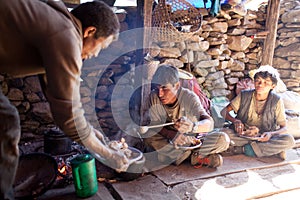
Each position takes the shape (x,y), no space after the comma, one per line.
(239,178)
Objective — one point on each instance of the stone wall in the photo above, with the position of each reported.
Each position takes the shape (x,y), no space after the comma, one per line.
(108,80)
(99,81)
(220,55)
(26,94)
(287,52)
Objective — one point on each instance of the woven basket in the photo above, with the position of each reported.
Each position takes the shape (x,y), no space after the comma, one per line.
(175,20)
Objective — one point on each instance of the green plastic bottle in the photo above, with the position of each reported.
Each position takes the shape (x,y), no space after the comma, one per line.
(84,175)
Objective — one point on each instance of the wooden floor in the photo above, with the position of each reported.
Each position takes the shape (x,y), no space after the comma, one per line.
(239,178)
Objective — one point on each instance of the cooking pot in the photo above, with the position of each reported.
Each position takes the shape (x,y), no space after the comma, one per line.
(56,142)
(36,173)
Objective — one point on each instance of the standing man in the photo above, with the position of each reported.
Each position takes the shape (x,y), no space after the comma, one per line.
(169,102)
(43,37)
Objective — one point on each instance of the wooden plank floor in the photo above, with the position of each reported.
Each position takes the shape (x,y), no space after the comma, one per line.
(239,178)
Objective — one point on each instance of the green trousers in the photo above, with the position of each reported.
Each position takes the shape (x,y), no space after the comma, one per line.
(214,142)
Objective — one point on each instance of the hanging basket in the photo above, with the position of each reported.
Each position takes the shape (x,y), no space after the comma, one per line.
(175,20)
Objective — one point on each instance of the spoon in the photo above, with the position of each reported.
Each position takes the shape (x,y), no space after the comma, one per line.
(144,129)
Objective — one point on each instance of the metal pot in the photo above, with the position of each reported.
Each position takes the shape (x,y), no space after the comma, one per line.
(56,142)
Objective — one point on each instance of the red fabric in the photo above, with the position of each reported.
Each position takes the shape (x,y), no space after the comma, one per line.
(244,84)
(202,162)
(193,85)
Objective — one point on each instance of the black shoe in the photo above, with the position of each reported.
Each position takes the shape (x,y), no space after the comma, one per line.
(233,150)
(226,6)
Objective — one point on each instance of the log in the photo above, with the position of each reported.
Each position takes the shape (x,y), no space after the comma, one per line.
(271,27)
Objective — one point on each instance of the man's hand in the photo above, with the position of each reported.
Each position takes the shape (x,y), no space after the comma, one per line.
(114,159)
(118,161)
(239,127)
(266,136)
(252,131)
(180,140)
(184,125)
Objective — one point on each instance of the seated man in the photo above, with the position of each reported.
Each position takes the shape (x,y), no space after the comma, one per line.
(169,102)
(260,113)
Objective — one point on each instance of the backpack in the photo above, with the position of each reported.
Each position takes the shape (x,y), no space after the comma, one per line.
(187,80)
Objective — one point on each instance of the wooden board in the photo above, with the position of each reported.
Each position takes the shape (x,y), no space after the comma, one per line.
(185,172)
(147,187)
(270,183)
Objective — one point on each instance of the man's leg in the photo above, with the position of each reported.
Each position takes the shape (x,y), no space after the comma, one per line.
(274,146)
(166,152)
(214,142)
(208,154)
(235,139)
(10,132)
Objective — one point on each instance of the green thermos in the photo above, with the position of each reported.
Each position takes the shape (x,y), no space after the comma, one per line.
(84,175)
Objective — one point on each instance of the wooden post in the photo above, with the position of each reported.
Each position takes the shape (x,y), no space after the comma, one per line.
(271,27)
(146,88)
(144,16)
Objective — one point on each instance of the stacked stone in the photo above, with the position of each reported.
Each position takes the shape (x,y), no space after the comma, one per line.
(106,87)
(221,54)
(26,94)
(287,52)
(98,81)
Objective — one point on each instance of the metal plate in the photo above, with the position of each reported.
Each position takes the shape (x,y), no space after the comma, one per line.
(189,147)
(136,155)
(251,138)
(35,175)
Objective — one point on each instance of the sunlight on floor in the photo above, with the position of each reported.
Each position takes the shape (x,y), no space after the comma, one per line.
(255,186)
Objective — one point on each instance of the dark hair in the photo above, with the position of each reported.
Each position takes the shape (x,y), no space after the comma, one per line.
(165,74)
(99,15)
(265,75)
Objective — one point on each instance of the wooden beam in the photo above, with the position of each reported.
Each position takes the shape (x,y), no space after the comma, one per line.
(147,22)
(271,27)
(142,75)
(146,87)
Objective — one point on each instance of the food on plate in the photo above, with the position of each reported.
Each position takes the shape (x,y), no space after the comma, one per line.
(196,141)
(120,146)
(251,131)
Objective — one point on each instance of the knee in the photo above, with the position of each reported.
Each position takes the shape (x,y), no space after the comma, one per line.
(224,136)
(227,131)
(223,139)
(9,113)
(10,122)
(290,141)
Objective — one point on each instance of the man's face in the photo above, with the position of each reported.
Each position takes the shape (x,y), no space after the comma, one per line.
(263,85)
(167,93)
(92,46)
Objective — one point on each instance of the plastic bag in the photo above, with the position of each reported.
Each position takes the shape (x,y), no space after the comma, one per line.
(244,84)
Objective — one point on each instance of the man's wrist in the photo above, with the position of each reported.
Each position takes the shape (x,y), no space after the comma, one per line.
(195,127)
